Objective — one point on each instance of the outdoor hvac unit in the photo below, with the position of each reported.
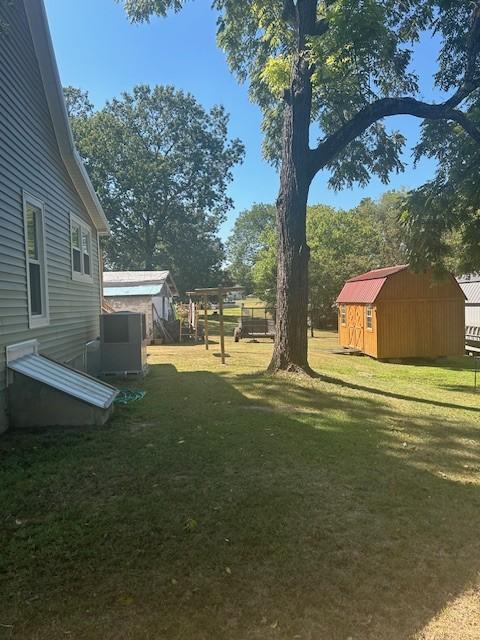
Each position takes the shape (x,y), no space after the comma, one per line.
(123,345)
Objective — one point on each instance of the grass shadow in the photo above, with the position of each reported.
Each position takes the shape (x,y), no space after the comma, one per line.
(393,395)
(255,509)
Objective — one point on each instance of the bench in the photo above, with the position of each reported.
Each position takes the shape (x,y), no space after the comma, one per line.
(255,328)
(472,334)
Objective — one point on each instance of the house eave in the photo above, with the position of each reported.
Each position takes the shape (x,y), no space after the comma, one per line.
(42,41)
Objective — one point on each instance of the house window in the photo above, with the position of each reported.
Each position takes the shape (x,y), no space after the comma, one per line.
(343,314)
(86,249)
(81,247)
(35,258)
(369,317)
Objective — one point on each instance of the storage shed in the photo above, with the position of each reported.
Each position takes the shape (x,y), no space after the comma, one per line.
(147,292)
(395,313)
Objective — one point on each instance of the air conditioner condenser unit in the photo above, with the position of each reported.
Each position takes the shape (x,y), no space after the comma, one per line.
(123,343)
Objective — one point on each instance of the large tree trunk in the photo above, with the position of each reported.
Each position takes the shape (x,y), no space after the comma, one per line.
(290,351)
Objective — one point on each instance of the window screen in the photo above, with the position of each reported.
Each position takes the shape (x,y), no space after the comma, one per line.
(369,316)
(35,256)
(76,255)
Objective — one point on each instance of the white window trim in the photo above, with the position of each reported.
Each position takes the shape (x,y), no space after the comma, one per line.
(36,321)
(343,315)
(84,227)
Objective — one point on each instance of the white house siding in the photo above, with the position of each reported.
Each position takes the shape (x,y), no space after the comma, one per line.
(135,304)
(30,161)
(472,315)
(162,305)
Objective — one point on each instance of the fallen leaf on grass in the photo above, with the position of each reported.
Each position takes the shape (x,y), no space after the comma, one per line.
(191,524)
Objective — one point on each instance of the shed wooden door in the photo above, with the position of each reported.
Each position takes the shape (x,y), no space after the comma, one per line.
(355,325)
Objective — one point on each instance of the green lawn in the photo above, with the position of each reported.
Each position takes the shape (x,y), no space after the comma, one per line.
(230,504)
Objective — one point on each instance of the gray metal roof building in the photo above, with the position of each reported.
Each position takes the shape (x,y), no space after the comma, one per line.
(471,288)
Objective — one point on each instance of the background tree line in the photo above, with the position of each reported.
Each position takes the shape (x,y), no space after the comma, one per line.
(343,243)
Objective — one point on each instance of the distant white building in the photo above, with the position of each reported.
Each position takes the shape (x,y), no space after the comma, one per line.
(148,292)
(471,288)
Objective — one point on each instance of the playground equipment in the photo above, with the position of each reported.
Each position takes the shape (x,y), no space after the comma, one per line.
(255,322)
(219,293)
(184,328)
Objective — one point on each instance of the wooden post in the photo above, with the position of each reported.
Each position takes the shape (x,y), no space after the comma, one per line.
(205,304)
(222,332)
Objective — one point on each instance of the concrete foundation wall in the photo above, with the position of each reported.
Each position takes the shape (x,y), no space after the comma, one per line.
(34,404)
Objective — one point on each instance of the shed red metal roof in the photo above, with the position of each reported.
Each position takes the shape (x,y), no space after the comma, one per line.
(364,292)
(364,289)
(379,273)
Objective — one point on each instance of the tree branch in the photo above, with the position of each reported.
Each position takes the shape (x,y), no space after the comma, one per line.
(288,12)
(321,27)
(470,82)
(333,144)
(462,119)
(371,113)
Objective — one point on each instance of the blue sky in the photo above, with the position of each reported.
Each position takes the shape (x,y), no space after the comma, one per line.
(99,51)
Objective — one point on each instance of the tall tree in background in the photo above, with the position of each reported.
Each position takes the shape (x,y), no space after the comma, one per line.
(346,243)
(161,164)
(344,65)
(245,241)
(342,244)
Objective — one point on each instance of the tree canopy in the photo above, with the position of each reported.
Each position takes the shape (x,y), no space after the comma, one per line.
(245,241)
(342,66)
(161,164)
(342,243)
(443,216)
(359,56)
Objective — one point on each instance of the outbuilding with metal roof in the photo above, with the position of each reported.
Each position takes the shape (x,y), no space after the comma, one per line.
(471,288)
(395,313)
(147,292)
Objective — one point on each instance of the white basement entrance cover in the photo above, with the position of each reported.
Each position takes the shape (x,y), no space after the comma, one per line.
(70,381)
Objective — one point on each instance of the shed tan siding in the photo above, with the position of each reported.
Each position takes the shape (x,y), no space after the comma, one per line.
(30,161)
(420,317)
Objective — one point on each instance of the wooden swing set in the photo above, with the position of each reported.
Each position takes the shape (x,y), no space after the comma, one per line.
(204,294)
